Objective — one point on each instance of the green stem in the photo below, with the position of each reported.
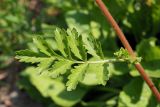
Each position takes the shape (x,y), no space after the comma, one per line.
(101,61)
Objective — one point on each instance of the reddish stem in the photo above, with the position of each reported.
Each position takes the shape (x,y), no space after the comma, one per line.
(126,44)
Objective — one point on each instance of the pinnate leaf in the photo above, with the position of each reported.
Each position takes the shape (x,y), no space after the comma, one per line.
(73,43)
(59,40)
(60,67)
(76,75)
(102,73)
(74,49)
(89,45)
(38,41)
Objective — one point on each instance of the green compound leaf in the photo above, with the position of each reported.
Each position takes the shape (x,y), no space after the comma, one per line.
(29,56)
(73,43)
(44,65)
(38,41)
(59,40)
(27,52)
(90,46)
(102,73)
(50,88)
(76,75)
(60,67)
(70,57)
(33,60)
(82,48)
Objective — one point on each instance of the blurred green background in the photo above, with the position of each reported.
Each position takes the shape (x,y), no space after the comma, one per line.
(20,20)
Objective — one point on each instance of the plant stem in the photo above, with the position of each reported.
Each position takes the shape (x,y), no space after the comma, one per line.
(102,61)
(126,44)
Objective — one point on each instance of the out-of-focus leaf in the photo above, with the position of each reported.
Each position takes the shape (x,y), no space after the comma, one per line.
(53,88)
(152,68)
(78,20)
(118,68)
(156,16)
(135,94)
(148,50)
(150,53)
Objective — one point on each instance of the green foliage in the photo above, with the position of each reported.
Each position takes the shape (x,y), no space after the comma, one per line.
(13,24)
(152,52)
(151,68)
(151,57)
(77,74)
(136,94)
(51,88)
(123,54)
(59,68)
(73,57)
(61,56)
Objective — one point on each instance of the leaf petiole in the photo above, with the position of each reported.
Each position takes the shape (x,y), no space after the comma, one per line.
(102,61)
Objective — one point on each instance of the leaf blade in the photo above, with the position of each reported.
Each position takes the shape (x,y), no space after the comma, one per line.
(40,45)
(73,43)
(59,68)
(76,75)
(59,40)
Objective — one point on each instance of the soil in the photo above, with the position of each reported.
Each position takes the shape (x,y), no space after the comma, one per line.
(10,95)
